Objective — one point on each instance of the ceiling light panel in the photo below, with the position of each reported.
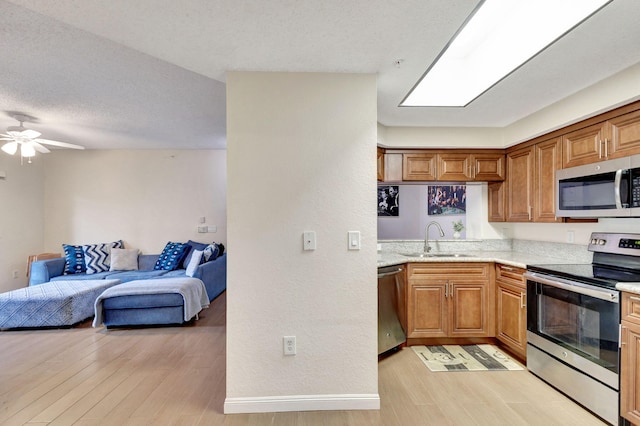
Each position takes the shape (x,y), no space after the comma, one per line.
(500,37)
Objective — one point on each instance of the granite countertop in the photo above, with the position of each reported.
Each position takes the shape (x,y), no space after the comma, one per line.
(511,258)
(515,253)
(629,287)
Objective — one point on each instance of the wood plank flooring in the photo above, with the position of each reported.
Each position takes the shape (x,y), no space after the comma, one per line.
(176,376)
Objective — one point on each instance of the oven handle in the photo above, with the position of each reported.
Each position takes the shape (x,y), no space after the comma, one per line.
(610,296)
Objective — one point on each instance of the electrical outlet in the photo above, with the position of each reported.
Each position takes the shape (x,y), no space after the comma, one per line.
(289,345)
(15,274)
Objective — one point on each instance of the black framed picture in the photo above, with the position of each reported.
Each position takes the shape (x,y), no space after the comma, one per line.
(388,200)
(446,199)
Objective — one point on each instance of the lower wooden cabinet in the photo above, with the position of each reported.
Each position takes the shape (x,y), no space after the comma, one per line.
(630,358)
(450,300)
(511,308)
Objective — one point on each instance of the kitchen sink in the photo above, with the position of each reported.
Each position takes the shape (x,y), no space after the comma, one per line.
(426,255)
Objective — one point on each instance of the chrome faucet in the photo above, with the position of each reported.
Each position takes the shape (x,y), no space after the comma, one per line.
(427,248)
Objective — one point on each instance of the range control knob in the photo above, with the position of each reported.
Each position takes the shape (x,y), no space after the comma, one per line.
(601,242)
(594,241)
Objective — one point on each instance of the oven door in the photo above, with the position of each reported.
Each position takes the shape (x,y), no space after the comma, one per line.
(576,323)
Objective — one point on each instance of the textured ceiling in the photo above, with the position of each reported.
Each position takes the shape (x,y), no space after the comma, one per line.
(150,73)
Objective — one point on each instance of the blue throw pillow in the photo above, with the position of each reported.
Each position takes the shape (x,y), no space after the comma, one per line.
(73,260)
(171,257)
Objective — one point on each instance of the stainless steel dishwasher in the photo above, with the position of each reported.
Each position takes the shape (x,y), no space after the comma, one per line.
(391,308)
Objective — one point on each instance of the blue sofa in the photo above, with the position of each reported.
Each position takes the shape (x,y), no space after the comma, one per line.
(213,273)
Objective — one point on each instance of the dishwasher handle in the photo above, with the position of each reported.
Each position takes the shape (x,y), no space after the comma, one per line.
(388,273)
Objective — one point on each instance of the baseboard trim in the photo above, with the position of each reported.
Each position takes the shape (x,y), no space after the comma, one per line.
(271,404)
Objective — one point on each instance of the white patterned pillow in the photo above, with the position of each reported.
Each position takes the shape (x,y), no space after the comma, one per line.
(97,256)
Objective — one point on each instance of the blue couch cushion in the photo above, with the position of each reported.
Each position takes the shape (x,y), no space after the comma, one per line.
(80,277)
(73,259)
(139,301)
(126,276)
(172,256)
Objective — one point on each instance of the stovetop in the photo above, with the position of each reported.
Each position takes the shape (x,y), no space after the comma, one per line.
(616,259)
(580,272)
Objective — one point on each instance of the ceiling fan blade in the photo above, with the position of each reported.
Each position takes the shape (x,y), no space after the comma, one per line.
(10,148)
(39,147)
(60,144)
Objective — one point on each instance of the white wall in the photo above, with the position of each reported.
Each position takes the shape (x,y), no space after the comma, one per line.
(301,157)
(21,218)
(145,198)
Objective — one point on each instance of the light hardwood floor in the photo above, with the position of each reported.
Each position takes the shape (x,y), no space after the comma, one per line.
(176,376)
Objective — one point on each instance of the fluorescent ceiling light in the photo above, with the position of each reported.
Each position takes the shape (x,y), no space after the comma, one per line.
(501,36)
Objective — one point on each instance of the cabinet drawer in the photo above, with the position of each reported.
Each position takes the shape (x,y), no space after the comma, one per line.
(510,275)
(631,307)
(453,271)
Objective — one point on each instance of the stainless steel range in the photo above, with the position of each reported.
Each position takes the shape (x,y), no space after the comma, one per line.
(573,322)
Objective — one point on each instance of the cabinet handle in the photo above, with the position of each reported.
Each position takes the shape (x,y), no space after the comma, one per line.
(507,268)
(606,147)
(522,301)
(446,289)
(620,335)
(634,298)
(529,212)
(600,149)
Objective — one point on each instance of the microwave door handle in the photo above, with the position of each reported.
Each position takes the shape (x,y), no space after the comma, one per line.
(618,181)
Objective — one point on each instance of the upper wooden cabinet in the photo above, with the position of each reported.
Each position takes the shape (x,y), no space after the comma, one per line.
(419,166)
(519,190)
(547,159)
(380,156)
(614,138)
(456,166)
(530,185)
(496,201)
(452,165)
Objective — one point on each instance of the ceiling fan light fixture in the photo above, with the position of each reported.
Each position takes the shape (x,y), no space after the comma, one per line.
(27,150)
(10,147)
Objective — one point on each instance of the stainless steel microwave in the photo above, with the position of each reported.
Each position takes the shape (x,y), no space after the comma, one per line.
(604,189)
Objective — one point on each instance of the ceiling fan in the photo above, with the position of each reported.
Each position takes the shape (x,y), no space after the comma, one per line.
(28,140)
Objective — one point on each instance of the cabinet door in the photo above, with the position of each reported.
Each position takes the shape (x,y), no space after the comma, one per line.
(584,146)
(630,373)
(454,166)
(488,167)
(380,155)
(548,159)
(511,317)
(419,167)
(624,134)
(496,202)
(427,316)
(469,313)
(519,185)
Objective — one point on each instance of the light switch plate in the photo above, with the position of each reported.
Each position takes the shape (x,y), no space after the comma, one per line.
(309,240)
(353,240)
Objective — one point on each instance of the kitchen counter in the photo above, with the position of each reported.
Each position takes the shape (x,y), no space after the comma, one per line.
(513,253)
(628,287)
